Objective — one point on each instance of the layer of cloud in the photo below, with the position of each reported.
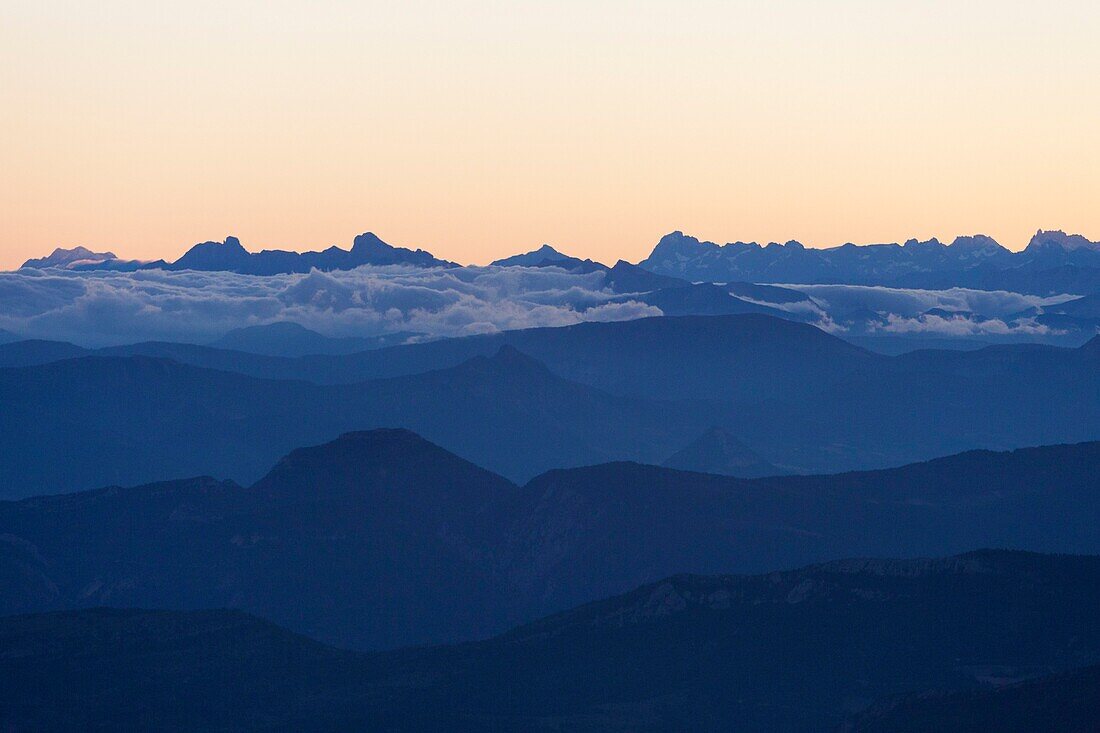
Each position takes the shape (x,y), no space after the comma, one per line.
(839,299)
(956,312)
(963,326)
(103,308)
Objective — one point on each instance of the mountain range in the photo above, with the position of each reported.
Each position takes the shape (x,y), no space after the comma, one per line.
(290,339)
(381,539)
(91,421)
(850,643)
(231,256)
(1052,263)
(695,509)
(523,402)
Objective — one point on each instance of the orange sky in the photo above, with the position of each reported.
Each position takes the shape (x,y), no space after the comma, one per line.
(478,129)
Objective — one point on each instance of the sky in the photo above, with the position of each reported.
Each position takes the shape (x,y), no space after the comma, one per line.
(479,129)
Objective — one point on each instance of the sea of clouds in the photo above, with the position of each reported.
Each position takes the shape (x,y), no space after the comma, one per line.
(968,313)
(108,308)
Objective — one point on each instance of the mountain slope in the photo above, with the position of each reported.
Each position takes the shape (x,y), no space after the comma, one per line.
(382,538)
(696,357)
(796,651)
(1062,703)
(817,403)
(589,532)
(375,539)
(719,451)
(93,421)
(786,651)
(107,669)
(289,339)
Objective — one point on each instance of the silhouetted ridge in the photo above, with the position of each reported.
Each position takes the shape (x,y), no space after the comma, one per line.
(392,465)
(797,650)
(1053,262)
(145,670)
(231,256)
(686,592)
(624,277)
(1068,702)
(509,356)
(719,451)
(1057,239)
(506,362)
(544,255)
(386,526)
(384,458)
(228,255)
(636,390)
(68,258)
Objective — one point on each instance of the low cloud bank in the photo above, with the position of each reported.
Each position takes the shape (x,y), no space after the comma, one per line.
(956,311)
(106,308)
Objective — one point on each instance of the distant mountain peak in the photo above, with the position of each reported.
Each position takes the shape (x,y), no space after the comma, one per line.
(231,256)
(227,255)
(718,451)
(355,451)
(1058,239)
(914,242)
(541,256)
(511,357)
(62,257)
(369,241)
(678,243)
(976,242)
(384,462)
(624,277)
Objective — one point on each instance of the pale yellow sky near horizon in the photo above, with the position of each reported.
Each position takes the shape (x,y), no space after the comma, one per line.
(480,129)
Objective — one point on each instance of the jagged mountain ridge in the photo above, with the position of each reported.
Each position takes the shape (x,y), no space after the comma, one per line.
(231,256)
(1053,262)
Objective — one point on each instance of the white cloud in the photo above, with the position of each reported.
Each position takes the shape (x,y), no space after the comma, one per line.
(101,308)
(963,326)
(960,312)
(837,299)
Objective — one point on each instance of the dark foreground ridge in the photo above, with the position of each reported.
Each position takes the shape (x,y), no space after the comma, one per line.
(1068,702)
(801,650)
